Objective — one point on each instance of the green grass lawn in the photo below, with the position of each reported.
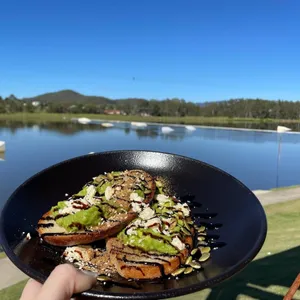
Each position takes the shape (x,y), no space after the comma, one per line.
(267,277)
(48,117)
(13,292)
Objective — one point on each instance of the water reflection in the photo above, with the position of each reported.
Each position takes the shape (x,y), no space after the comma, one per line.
(153,131)
(66,128)
(250,156)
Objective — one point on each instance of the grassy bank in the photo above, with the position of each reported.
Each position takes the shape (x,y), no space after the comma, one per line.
(284,188)
(13,292)
(267,277)
(48,117)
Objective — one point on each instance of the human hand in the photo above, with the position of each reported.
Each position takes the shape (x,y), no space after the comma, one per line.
(63,282)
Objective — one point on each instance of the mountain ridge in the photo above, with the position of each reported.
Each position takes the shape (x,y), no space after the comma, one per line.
(68,96)
(74,97)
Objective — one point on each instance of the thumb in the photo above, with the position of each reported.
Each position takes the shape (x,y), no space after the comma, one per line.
(64,281)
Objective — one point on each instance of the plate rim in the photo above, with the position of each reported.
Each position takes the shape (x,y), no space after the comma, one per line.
(174,292)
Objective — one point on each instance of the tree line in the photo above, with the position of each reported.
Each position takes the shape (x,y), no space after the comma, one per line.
(238,108)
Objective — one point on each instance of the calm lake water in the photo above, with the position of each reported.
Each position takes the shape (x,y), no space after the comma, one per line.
(250,156)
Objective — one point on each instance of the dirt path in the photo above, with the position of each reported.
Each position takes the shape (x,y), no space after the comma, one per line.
(9,274)
(276,196)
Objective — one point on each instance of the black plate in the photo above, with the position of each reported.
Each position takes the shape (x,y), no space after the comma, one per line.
(236,217)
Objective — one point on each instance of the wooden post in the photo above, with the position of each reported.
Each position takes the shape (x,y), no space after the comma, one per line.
(293,289)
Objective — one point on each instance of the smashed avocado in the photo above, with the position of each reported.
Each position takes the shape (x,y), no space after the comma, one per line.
(56,208)
(82,193)
(88,217)
(101,189)
(149,240)
(109,208)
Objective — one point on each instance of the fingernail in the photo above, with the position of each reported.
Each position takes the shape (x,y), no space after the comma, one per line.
(89,273)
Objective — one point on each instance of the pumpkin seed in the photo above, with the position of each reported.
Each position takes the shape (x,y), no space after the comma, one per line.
(189,259)
(205,249)
(201,229)
(109,176)
(146,192)
(194,251)
(99,181)
(158,183)
(190,222)
(178,272)
(100,178)
(173,225)
(201,238)
(116,173)
(195,265)
(188,270)
(103,278)
(185,231)
(175,229)
(187,226)
(180,222)
(202,244)
(204,257)
(180,214)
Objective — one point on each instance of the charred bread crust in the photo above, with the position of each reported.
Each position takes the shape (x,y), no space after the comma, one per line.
(132,263)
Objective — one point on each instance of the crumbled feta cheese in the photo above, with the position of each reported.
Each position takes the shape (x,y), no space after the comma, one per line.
(166,232)
(152,222)
(137,222)
(184,208)
(136,207)
(135,197)
(109,191)
(66,194)
(68,209)
(131,231)
(161,198)
(93,201)
(176,242)
(147,213)
(81,254)
(167,220)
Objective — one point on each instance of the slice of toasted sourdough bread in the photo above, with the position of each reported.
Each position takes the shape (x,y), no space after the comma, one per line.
(56,235)
(113,200)
(87,258)
(132,263)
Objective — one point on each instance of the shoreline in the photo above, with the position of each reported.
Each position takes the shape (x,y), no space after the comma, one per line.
(197,122)
(98,121)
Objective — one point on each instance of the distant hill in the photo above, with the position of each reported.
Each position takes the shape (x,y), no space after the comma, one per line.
(68,96)
(72,97)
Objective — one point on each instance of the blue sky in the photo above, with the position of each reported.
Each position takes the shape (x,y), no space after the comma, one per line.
(192,49)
